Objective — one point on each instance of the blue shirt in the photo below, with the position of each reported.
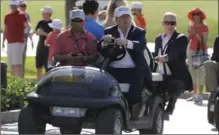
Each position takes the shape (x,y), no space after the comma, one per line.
(92,26)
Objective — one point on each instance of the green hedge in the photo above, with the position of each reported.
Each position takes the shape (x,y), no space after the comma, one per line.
(14,97)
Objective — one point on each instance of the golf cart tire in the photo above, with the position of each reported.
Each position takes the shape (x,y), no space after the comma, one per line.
(210,114)
(106,121)
(216,114)
(76,129)
(154,130)
(30,122)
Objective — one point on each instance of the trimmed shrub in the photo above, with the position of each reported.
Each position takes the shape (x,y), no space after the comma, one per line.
(14,97)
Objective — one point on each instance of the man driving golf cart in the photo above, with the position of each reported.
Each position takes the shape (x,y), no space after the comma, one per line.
(75,46)
(132,71)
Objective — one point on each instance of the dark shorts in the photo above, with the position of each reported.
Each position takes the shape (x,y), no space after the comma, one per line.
(42,53)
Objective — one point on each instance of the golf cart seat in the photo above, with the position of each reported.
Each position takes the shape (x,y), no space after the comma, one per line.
(157,77)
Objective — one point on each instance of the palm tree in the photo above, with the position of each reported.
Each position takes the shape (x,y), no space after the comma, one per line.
(69,4)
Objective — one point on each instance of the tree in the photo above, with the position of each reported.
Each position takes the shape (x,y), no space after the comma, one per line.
(69,4)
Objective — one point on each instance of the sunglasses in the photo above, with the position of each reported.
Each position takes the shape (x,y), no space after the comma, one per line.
(23,6)
(196,14)
(77,20)
(169,23)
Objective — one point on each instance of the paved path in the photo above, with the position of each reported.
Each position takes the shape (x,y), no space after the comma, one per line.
(32,51)
(188,118)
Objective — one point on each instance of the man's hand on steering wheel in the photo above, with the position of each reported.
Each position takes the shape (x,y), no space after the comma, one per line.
(121,42)
(107,39)
(68,57)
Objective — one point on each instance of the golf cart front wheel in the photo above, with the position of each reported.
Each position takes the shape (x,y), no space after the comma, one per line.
(30,121)
(110,121)
(158,123)
(76,129)
(216,114)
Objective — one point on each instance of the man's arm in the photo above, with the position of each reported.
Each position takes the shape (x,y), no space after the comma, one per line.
(216,50)
(100,33)
(5,30)
(41,32)
(48,40)
(156,47)
(178,53)
(4,36)
(92,50)
(139,43)
(35,31)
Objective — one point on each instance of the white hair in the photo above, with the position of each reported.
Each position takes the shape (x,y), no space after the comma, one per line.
(170,14)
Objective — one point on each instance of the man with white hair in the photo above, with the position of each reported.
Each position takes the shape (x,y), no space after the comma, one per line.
(15,23)
(133,66)
(170,52)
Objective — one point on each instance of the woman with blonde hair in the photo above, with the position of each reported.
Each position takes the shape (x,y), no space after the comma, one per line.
(197,51)
(112,5)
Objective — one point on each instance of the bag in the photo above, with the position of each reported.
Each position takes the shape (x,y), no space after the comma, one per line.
(199,57)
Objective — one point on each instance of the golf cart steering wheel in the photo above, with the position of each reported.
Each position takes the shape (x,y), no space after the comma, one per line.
(113,51)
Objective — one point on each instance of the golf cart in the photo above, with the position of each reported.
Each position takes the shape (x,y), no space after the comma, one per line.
(213,109)
(73,98)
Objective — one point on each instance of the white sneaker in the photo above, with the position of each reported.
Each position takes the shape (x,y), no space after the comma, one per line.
(199,99)
(192,98)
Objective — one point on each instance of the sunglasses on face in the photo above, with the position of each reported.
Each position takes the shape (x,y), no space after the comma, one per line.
(23,6)
(169,23)
(77,20)
(196,14)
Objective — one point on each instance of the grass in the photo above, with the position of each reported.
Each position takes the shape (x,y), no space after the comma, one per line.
(153,11)
(30,67)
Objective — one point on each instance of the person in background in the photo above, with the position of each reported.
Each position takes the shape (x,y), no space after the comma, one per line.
(15,24)
(170,54)
(56,25)
(22,8)
(112,5)
(211,70)
(42,30)
(198,38)
(138,15)
(90,8)
(75,46)
(102,16)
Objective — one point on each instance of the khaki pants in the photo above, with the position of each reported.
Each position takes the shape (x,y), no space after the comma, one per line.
(211,75)
(197,74)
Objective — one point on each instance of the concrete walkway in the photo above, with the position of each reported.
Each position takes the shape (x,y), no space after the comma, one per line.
(187,118)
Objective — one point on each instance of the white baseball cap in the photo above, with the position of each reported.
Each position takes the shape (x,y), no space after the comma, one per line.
(23,2)
(56,24)
(136,5)
(14,2)
(122,10)
(77,13)
(47,9)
